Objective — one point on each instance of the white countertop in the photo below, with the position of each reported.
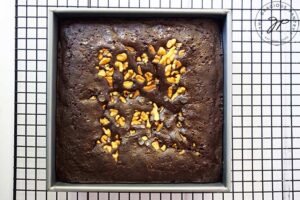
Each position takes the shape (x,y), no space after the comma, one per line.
(7,76)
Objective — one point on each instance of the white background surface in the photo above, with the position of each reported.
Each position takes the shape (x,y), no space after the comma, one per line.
(7,75)
(243,142)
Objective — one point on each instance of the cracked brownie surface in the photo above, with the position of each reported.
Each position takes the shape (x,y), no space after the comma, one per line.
(139,102)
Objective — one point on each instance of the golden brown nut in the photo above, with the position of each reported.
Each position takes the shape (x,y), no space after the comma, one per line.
(149,88)
(136,94)
(177,78)
(138,59)
(119,65)
(106,131)
(121,121)
(159,126)
(109,80)
(93,98)
(154,112)
(104,121)
(179,124)
(156,59)
(144,138)
(148,76)
(168,70)
(129,74)
(103,138)
(125,65)
(122,57)
(122,99)
(181,152)
(148,124)
(181,53)
(197,153)
(182,70)
(104,61)
(113,112)
(140,79)
(178,45)
(115,144)
(151,49)
(132,132)
(170,91)
(155,145)
(161,51)
(163,147)
(107,148)
(116,156)
(131,49)
(114,93)
(127,84)
(181,90)
(177,63)
(101,73)
(171,80)
(110,72)
(100,56)
(144,57)
(171,43)
(139,70)
(144,116)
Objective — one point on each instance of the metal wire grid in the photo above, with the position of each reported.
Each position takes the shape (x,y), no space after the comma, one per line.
(266,105)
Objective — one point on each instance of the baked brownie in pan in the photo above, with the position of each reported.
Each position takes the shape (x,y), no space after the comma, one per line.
(139,101)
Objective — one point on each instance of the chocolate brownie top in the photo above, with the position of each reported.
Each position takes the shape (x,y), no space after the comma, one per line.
(139,101)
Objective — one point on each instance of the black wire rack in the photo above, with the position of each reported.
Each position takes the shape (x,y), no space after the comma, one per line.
(266,101)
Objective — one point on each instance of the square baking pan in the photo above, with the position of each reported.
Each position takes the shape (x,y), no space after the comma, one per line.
(54,15)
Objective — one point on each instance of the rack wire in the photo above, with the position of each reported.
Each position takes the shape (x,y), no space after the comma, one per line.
(266,103)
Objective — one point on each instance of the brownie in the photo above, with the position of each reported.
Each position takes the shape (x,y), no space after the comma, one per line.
(139,100)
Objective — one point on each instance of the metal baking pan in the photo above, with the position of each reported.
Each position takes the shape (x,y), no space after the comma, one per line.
(54,15)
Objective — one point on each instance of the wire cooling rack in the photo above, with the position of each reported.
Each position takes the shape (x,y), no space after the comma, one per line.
(266,100)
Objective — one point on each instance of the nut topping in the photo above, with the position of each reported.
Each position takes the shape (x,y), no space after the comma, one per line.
(104,61)
(159,126)
(155,145)
(121,121)
(103,138)
(136,82)
(144,57)
(163,147)
(154,112)
(168,69)
(148,76)
(115,156)
(113,112)
(104,121)
(181,53)
(101,73)
(170,91)
(161,51)
(131,49)
(156,59)
(151,49)
(107,148)
(149,88)
(106,131)
(181,152)
(144,138)
(122,57)
(139,69)
(128,84)
(140,79)
(170,43)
